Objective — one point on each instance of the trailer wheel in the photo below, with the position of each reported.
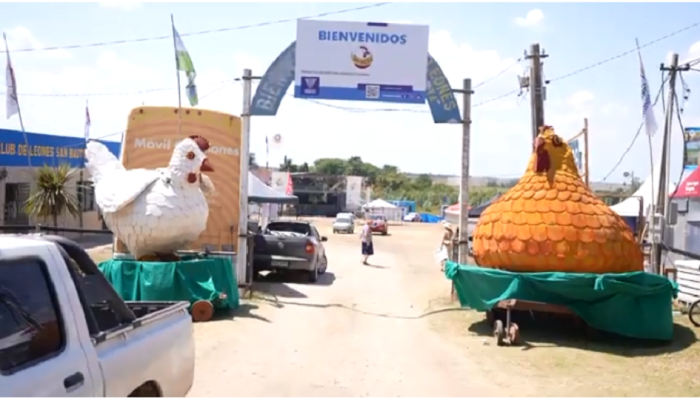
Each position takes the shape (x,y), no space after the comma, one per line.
(202,311)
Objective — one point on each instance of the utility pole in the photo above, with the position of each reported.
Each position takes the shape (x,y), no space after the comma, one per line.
(463,237)
(662,208)
(537,89)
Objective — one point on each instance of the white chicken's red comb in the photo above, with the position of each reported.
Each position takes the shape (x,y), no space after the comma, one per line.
(202,142)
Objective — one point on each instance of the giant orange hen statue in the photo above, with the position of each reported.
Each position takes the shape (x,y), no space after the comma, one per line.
(551,221)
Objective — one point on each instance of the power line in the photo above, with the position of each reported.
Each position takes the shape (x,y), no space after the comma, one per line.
(639,130)
(201,32)
(497,75)
(500,97)
(624,54)
(227,82)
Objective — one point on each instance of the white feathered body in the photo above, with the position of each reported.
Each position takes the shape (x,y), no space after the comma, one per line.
(151,211)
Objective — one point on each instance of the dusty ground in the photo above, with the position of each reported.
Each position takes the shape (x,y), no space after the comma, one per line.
(390,330)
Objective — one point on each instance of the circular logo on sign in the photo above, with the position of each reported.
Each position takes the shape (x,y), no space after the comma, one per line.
(277,138)
(362,57)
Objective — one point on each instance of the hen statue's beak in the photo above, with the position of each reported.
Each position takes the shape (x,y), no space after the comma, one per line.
(542,163)
(206,166)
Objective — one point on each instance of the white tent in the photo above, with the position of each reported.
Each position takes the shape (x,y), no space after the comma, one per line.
(380,206)
(646,195)
(258,192)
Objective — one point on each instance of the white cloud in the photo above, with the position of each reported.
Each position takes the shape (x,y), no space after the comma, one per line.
(22,38)
(580,99)
(125,5)
(532,18)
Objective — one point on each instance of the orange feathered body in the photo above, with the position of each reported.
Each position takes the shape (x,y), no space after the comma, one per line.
(551,221)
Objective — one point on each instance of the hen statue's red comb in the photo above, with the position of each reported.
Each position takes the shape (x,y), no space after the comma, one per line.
(202,142)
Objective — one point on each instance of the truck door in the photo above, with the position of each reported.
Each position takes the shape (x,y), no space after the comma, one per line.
(40,353)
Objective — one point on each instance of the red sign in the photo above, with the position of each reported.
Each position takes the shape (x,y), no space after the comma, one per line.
(690,187)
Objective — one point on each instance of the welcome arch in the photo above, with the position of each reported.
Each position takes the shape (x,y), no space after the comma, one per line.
(280,75)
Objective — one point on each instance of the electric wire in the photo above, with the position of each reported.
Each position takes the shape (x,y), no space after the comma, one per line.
(499,74)
(349,109)
(626,53)
(679,110)
(639,130)
(201,32)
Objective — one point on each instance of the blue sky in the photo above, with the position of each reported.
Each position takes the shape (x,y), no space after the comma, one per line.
(467,39)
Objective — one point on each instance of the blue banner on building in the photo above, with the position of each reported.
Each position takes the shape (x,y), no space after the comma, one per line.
(44,149)
(280,75)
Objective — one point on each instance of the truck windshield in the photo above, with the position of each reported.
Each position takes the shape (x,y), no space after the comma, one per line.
(298,228)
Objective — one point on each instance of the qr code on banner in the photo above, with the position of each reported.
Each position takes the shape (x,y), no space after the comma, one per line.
(371,91)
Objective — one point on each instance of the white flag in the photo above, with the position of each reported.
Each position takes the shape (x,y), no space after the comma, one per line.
(647,108)
(11,90)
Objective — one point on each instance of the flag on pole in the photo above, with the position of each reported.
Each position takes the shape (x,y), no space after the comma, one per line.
(87,122)
(647,108)
(11,90)
(184,63)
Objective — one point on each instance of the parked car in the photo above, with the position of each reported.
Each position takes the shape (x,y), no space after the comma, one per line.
(290,246)
(378,224)
(412,217)
(64,331)
(343,224)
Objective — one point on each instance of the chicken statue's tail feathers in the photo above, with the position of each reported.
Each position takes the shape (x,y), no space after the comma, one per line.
(100,161)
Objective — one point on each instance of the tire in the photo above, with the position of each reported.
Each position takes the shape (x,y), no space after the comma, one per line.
(324,268)
(313,275)
(694,313)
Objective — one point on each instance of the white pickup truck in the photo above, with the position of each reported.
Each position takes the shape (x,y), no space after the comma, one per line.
(64,331)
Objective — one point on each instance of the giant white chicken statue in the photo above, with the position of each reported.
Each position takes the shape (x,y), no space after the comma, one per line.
(154,212)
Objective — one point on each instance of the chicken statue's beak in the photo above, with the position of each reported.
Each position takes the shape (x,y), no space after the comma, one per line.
(542,163)
(206,166)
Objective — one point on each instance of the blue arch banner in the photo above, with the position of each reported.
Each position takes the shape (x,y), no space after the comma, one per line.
(280,75)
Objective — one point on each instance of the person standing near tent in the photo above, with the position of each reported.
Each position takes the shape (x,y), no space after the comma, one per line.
(366,238)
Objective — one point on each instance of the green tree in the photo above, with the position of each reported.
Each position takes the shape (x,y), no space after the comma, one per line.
(52,197)
(331,166)
(423,181)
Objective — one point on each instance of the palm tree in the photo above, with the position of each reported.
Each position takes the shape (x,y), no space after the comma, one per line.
(51,196)
(287,164)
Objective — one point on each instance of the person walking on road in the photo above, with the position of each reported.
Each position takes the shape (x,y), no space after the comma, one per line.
(366,237)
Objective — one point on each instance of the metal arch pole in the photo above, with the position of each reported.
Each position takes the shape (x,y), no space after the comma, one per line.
(241,249)
(463,237)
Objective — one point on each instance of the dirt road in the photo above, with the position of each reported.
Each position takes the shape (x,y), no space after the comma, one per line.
(358,332)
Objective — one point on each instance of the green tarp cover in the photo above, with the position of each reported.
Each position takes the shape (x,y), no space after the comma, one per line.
(634,304)
(190,280)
